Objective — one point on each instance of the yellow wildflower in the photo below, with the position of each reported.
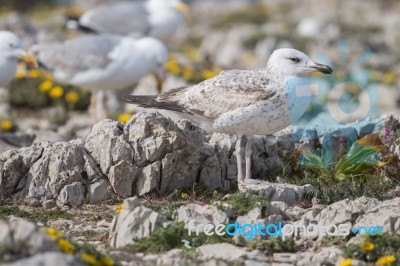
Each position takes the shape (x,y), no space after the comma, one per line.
(184,195)
(187,72)
(34,73)
(53,233)
(19,74)
(367,246)
(45,86)
(66,246)
(207,74)
(346,262)
(173,67)
(21,71)
(72,97)
(123,118)
(107,261)
(386,260)
(89,259)
(6,125)
(388,78)
(118,209)
(56,92)
(192,54)
(47,76)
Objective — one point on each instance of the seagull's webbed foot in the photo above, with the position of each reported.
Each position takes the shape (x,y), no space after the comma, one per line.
(248,152)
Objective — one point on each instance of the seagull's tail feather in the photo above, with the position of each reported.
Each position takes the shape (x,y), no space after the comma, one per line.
(147,101)
(151,102)
(73,23)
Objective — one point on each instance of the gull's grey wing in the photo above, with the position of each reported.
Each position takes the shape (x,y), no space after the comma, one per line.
(226,92)
(214,97)
(78,55)
(122,18)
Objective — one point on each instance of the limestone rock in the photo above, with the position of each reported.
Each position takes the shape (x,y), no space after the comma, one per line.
(289,194)
(325,256)
(48,259)
(223,251)
(178,146)
(122,177)
(199,214)
(20,238)
(97,192)
(134,222)
(72,194)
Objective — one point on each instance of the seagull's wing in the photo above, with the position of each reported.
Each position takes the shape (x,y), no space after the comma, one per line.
(78,55)
(214,97)
(120,18)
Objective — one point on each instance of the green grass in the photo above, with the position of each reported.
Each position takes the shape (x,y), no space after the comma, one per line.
(329,241)
(273,245)
(166,209)
(167,204)
(171,237)
(35,215)
(373,186)
(245,202)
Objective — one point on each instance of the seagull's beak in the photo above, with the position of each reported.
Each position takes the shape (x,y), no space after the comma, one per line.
(160,77)
(182,7)
(29,59)
(321,68)
(160,82)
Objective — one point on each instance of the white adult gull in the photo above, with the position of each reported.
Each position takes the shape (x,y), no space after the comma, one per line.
(242,102)
(11,51)
(157,18)
(103,62)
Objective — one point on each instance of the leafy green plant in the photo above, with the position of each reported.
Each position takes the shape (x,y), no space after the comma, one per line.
(361,159)
(171,237)
(244,202)
(273,245)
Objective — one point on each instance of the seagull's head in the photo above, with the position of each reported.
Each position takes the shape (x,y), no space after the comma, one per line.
(11,48)
(157,56)
(293,63)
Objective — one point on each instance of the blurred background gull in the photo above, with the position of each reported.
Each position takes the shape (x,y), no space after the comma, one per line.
(360,38)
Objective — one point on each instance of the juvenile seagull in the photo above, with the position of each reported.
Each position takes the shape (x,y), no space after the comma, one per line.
(157,18)
(243,102)
(103,62)
(11,51)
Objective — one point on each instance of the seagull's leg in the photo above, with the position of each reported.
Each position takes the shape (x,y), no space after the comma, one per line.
(248,152)
(101,107)
(238,149)
(92,107)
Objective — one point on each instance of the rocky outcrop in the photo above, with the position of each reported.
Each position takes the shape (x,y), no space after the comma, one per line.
(151,153)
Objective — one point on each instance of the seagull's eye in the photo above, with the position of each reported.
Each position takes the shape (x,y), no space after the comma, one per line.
(11,45)
(294,59)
